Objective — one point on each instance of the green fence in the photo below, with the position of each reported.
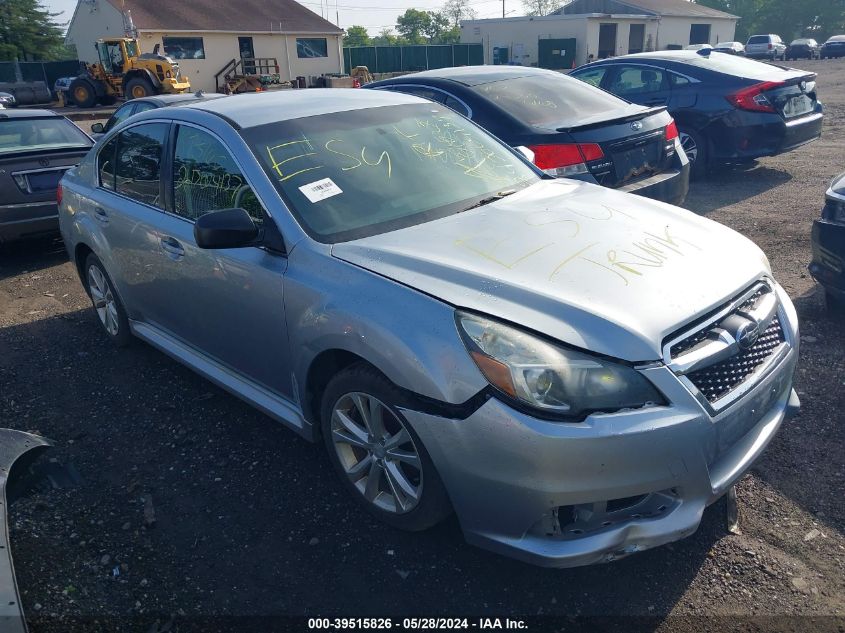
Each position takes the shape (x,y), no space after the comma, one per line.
(391,59)
(47,72)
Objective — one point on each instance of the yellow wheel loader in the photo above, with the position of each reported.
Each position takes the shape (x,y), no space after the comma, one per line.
(124,72)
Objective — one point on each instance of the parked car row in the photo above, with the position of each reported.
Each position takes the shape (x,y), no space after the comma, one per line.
(727,108)
(426,276)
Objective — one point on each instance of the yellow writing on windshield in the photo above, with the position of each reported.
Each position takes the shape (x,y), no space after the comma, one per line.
(281,154)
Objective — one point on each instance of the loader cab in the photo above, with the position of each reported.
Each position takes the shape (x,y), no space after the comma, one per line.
(115,55)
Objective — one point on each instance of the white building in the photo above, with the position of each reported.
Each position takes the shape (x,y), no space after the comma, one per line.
(205,35)
(594,29)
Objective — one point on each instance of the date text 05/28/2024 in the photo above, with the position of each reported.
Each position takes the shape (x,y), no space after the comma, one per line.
(415,624)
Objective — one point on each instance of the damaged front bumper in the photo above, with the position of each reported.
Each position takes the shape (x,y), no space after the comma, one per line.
(17,451)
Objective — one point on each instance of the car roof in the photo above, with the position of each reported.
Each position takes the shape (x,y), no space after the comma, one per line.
(669,56)
(477,75)
(184,97)
(259,108)
(29,113)
(836,38)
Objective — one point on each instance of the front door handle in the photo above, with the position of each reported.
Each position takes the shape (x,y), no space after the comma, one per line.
(172,247)
(101,215)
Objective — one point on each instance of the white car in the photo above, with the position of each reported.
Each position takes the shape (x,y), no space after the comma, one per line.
(769,47)
(697,47)
(732,48)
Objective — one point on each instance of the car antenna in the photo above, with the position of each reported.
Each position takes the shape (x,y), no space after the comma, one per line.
(704,52)
(199,94)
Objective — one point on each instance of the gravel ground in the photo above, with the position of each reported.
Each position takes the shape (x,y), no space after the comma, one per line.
(193,505)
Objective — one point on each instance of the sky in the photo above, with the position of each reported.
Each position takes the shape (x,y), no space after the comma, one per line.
(373,14)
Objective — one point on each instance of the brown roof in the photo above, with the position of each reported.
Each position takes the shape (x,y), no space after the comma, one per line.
(682,8)
(225,15)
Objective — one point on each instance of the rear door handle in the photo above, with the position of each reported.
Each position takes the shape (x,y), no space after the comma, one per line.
(172,247)
(101,215)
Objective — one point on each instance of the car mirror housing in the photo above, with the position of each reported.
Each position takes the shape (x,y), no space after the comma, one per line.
(98,128)
(228,228)
(525,152)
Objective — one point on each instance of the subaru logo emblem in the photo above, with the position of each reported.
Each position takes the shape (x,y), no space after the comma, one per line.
(747,334)
(636,125)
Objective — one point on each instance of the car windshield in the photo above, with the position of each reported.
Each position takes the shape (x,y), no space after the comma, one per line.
(37,134)
(549,99)
(353,174)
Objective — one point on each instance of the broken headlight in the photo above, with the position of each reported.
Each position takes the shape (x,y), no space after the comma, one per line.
(553,379)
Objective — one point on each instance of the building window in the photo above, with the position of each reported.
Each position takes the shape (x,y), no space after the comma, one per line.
(699,34)
(314,47)
(183,47)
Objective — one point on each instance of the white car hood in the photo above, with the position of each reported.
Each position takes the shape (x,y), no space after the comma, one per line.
(598,269)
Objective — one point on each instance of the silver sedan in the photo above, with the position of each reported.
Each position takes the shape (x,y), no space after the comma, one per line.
(574,371)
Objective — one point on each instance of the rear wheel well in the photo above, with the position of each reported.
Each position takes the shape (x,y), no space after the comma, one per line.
(323,368)
(79,257)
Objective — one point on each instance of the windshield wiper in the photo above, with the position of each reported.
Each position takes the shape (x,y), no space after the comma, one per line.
(498,196)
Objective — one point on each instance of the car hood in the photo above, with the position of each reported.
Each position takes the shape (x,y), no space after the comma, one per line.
(598,269)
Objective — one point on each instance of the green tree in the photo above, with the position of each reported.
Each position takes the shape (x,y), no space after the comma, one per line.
(438,24)
(356,36)
(28,32)
(413,24)
(386,38)
(541,7)
(457,10)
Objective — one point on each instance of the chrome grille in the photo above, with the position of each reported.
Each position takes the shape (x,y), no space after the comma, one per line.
(717,381)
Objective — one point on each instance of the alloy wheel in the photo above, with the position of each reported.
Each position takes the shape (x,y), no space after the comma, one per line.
(103,299)
(377,452)
(690,146)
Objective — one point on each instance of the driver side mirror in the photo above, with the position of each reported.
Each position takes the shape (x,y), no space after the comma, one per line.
(228,228)
(98,128)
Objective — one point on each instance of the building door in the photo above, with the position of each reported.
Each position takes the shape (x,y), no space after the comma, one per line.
(636,38)
(699,34)
(247,52)
(607,40)
(501,55)
(556,54)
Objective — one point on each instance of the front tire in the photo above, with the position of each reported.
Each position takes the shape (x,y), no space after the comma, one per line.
(137,88)
(84,94)
(379,457)
(695,147)
(107,305)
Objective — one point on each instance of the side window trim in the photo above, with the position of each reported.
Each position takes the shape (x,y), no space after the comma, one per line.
(398,87)
(164,150)
(171,153)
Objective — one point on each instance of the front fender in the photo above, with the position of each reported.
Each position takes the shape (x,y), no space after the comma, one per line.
(17,450)
(410,337)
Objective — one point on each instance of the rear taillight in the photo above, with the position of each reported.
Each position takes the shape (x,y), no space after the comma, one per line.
(59,194)
(565,159)
(671,131)
(770,46)
(752,98)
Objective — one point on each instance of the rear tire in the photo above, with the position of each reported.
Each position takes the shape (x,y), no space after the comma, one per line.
(695,146)
(137,88)
(107,305)
(83,92)
(376,453)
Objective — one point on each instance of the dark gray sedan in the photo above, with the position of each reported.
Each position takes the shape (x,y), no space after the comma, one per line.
(36,148)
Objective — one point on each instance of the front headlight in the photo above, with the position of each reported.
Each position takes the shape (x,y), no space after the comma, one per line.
(555,380)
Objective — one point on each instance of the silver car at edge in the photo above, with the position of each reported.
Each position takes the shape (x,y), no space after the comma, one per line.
(575,372)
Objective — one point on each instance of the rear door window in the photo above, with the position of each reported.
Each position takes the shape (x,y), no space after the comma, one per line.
(206,177)
(139,153)
(638,80)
